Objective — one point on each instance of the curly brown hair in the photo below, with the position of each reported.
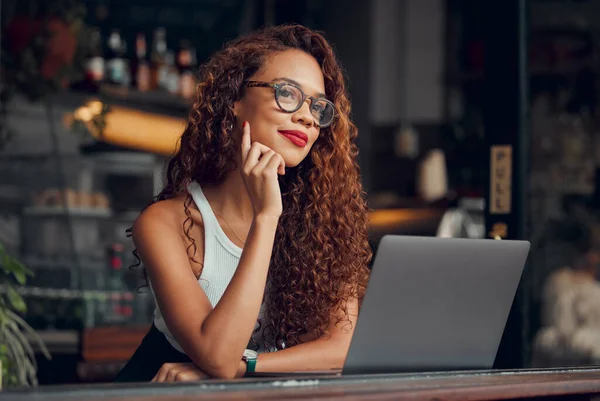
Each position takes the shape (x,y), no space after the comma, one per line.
(321,253)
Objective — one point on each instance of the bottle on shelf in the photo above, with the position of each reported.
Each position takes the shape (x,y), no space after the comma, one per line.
(140,67)
(172,77)
(185,62)
(117,72)
(158,58)
(94,66)
(115,285)
(126,309)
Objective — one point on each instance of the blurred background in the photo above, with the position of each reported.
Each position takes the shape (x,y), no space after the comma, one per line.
(473,121)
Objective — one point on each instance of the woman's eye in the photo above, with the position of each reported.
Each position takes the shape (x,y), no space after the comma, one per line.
(285,93)
(319,108)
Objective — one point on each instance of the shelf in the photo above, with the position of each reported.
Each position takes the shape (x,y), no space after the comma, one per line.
(11,198)
(65,293)
(157,102)
(58,211)
(122,162)
(154,99)
(99,156)
(57,341)
(60,262)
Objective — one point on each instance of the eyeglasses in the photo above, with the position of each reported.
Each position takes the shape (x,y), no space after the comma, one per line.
(290,99)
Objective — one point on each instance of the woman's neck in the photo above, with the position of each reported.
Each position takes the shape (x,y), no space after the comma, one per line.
(230,199)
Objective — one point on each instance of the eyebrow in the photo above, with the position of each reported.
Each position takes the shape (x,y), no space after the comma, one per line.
(290,80)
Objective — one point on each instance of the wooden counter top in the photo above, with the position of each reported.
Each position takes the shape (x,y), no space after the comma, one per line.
(578,384)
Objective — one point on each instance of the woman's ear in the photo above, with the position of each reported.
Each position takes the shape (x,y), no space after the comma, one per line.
(238,110)
(237,106)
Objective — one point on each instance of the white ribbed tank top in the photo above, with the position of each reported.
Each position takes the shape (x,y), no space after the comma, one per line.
(221,258)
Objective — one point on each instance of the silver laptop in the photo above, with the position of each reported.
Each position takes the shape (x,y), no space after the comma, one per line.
(433,304)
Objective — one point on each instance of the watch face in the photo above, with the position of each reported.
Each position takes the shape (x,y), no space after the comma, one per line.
(250,354)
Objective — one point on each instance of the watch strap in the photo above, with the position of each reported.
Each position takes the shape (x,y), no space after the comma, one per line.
(250,365)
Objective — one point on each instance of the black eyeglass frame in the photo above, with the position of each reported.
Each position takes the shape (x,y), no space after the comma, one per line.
(276,86)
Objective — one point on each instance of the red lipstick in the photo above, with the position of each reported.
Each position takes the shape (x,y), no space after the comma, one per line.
(298,138)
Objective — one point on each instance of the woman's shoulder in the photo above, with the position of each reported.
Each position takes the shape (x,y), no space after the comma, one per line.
(167,214)
(161,229)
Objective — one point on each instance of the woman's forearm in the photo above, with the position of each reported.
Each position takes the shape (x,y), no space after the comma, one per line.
(320,354)
(231,322)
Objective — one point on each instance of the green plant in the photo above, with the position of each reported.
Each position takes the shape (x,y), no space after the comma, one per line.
(17,356)
(43,46)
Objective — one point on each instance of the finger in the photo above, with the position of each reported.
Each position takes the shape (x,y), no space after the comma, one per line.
(172,375)
(264,161)
(188,376)
(161,375)
(276,163)
(246,141)
(257,150)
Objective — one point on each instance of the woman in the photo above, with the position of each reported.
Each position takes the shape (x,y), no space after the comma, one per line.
(259,239)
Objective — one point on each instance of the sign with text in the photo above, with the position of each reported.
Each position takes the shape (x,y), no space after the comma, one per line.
(500,179)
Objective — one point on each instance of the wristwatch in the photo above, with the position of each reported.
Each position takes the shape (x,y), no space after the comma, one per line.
(250,357)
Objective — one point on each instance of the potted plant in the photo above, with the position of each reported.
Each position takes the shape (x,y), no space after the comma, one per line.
(16,354)
(43,46)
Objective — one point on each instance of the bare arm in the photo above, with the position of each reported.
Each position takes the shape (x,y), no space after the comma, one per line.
(324,353)
(213,338)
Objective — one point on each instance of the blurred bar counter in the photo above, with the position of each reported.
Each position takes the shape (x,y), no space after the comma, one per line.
(421,221)
(90,355)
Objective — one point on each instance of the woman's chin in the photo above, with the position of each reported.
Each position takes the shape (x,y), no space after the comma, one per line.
(293,162)
(291,158)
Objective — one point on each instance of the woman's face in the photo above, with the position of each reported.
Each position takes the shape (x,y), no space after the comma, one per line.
(272,126)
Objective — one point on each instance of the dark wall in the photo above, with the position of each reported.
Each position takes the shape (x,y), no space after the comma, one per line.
(347,24)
